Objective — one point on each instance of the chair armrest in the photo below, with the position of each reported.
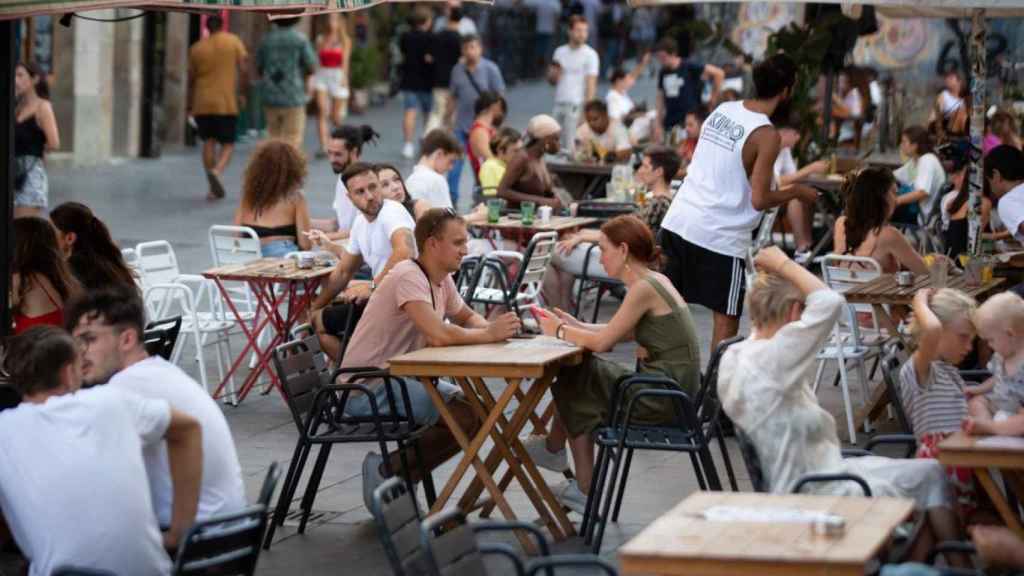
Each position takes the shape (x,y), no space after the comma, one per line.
(951,546)
(689,414)
(571,560)
(855,452)
(616,413)
(907,440)
(496,254)
(508,525)
(821,478)
(510,554)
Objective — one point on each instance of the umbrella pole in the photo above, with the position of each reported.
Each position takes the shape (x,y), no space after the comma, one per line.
(7,62)
(976,131)
(826,125)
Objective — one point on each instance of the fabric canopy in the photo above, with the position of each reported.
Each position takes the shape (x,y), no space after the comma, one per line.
(10,9)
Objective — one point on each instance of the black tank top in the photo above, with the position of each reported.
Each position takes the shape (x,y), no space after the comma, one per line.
(29,139)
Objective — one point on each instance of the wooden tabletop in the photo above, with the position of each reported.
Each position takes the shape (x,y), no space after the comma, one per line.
(832,182)
(683,542)
(885,290)
(279,269)
(515,358)
(982,451)
(555,224)
(587,168)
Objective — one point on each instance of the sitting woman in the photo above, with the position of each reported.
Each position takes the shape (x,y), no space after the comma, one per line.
(765,387)
(272,200)
(659,165)
(94,258)
(922,177)
(527,178)
(41,281)
(505,146)
(392,187)
(864,229)
(653,314)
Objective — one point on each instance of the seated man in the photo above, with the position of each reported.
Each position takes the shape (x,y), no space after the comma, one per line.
(112,323)
(799,213)
(381,236)
(600,137)
(408,312)
(438,153)
(73,486)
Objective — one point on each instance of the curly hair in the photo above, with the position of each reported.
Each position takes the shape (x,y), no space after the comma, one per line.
(275,171)
(866,194)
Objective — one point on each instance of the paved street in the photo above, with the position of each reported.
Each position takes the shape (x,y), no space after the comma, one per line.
(165,199)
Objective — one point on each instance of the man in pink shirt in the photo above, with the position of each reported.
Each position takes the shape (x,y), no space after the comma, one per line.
(408,311)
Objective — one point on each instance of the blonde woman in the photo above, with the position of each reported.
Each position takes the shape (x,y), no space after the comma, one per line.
(765,388)
(330,83)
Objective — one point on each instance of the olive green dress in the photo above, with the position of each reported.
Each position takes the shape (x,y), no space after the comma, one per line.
(582,392)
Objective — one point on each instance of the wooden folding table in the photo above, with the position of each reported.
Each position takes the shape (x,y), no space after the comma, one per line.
(684,542)
(535,361)
(980,453)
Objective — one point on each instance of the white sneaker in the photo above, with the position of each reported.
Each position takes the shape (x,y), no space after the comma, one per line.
(408,150)
(536,447)
(801,257)
(570,495)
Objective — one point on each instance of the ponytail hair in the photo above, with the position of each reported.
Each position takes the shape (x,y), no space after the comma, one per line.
(355,136)
(95,259)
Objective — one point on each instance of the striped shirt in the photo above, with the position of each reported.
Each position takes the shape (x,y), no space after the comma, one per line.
(940,405)
(1008,394)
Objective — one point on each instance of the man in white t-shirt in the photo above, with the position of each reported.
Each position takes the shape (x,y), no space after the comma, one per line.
(602,137)
(573,71)
(344,148)
(113,321)
(438,152)
(382,236)
(73,486)
(708,229)
(1004,170)
(923,175)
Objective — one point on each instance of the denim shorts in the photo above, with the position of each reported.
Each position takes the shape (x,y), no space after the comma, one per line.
(423,411)
(278,248)
(422,100)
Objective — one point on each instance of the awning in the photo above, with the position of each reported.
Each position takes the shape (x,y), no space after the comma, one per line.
(11,9)
(897,8)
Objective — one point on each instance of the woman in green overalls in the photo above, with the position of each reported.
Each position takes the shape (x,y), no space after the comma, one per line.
(654,315)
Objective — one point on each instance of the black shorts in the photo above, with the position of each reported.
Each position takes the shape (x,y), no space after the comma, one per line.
(223,129)
(339,319)
(713,280)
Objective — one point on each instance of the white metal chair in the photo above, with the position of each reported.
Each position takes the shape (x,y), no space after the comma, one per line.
(495,286)
(236,245)
(850,341)
(168,292)
(131,258)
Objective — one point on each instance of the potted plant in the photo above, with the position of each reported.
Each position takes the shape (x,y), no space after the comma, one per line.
(364,68)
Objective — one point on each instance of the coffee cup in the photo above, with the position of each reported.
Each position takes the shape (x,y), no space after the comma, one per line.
(544,214)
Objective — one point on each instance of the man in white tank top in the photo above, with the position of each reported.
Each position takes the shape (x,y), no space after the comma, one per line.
(709,227)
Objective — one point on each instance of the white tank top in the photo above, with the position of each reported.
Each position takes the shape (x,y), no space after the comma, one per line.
(713,208)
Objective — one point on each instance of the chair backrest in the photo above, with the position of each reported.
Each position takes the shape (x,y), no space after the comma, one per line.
(841,273)
(890,375)
(301,369)
(227,545)
(765,228)
(157,262)
(269,484)
(398,526)
(233,245)
(752,461)
(707,396)
(161,335)
(535,261)
(449,545)
(467,276)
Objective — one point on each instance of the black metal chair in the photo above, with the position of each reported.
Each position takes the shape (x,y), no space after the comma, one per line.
(571,561)
(451,548)
(318,410)
(269,485)
(760,483)
(948,547)
(160,336)
(709,407)
(512,291)
(621,436)
(227,545)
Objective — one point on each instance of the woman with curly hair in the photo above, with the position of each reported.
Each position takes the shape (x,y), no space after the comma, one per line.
(864,229)
(93,256)
(41,280)
(272,200)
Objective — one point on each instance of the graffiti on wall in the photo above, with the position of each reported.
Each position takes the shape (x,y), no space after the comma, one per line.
(757,20)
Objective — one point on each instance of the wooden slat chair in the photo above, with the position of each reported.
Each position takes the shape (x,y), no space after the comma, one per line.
(621,436)
(318,410)
(398,519)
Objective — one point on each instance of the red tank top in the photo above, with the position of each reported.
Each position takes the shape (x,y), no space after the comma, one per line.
(331,57)
(23,322)
(474,160)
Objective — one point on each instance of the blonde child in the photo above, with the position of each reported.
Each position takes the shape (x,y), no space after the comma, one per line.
(505,144)
(1000,321)
(933,392)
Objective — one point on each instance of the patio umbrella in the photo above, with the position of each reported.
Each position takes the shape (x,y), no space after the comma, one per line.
(11,10)
(978,11)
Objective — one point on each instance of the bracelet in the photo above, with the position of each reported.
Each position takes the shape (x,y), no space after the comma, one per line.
(560,331)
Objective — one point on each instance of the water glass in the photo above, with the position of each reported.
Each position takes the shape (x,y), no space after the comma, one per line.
(494,210)
(527,210)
